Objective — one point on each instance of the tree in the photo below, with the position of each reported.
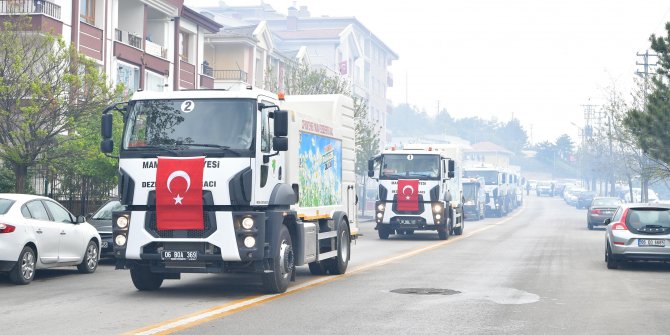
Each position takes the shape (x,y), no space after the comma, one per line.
(648,122)
(46,88)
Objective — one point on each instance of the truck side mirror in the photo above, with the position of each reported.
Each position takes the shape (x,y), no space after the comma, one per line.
(452,169)
(371,168)
(281,123)
(106,126)
(280,143)
(107,146)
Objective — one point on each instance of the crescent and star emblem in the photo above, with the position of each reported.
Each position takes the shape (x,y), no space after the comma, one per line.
(404,193)
(179,174)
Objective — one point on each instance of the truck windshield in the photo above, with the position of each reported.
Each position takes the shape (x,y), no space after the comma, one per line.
(470,191)
(402,166)
(206,124)
(490,177)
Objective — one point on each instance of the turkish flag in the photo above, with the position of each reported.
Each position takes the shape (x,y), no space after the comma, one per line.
(179,193)
(408,195)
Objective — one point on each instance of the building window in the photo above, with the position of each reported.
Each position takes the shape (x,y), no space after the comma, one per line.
(154,82)
(184,40)
(129,76)
(87,11)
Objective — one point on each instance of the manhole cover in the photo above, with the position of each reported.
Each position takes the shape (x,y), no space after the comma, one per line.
(426,291)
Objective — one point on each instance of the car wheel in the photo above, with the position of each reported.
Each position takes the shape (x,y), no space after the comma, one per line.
(589,225)
(612,262)
(91,257)
(23,271)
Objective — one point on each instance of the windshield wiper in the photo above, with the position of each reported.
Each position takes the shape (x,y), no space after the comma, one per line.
(154,147)
(217,146)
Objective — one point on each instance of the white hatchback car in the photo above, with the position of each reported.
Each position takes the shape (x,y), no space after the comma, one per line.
(37,233)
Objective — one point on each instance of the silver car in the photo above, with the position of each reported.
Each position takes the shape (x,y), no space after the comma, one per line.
(638,232)
(601,209)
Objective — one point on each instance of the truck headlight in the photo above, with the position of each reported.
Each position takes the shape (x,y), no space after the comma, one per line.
(381,207)
(380,215)
(120,240)
(248,223)
(249,241)
(122,222)
(437,208)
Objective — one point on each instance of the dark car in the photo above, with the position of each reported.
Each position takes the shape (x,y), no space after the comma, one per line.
(584,199)
(601,208)
(102,221)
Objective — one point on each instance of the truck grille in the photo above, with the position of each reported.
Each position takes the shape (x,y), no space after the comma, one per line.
(209,220)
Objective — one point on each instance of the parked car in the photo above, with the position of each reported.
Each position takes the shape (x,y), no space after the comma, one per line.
(638,232)
(584,199)
(102,221)
(544,188)
(37,233)
(600,209)
(570,195)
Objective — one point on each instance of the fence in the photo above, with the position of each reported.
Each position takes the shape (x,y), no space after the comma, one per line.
(79,194)
(30,7)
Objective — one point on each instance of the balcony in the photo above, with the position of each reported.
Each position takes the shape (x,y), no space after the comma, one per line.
(206,76)
(44,15)
(128,38)
(30,7)
(230,75)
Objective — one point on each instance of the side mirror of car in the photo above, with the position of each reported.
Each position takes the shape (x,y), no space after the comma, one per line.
(81,219)
(608,221)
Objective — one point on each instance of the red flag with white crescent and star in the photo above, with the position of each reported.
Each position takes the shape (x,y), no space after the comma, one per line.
(408,195)
(179,193)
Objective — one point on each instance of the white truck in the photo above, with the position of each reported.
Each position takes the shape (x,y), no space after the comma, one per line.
(414,193)
(496,187)
(221,181)
(474,198)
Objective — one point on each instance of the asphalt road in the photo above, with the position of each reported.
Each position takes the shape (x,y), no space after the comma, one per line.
(536,271)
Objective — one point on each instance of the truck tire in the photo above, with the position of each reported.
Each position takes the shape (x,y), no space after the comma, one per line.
(282,264)
(338,265)
(459,230)
(383,233)
(317,268)
(144,279)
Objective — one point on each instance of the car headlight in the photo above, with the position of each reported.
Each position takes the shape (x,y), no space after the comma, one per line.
(122,222)
(380,207)
(120,240)
(249,241)
(248,223)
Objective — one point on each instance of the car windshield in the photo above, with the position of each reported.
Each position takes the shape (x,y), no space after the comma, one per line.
(105,212)
(208,124)
(490,177)
(5,205)
(607,202)
(410,166)
(642,217)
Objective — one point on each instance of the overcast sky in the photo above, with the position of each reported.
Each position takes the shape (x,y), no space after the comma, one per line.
(539,61)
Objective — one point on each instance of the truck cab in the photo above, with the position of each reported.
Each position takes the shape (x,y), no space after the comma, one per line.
(414,193)
(496,188)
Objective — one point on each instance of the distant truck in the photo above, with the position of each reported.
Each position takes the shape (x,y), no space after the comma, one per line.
(233,181)
(414,193)
(474,198)
(498,198)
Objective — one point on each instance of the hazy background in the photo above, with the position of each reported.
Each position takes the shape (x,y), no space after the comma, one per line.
(537,61)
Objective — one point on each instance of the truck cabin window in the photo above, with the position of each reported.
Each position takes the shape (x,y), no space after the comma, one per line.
(490,177)
(205,124)
(402,166)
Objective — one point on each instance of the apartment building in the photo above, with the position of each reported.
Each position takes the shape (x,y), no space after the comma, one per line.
(342,46)
(144,44)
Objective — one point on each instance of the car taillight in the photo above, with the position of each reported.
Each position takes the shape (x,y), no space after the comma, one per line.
(595,211)
(621,225)
(6,228)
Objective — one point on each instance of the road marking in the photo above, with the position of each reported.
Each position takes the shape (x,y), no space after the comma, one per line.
(217,312)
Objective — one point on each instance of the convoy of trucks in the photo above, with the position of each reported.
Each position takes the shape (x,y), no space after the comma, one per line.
(248,181)
(233,181)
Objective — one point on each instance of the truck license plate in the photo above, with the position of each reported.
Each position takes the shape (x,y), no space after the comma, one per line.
(651,243)
(179,255)
(407,221)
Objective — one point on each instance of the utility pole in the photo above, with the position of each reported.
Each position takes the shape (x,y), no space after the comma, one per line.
(644,182)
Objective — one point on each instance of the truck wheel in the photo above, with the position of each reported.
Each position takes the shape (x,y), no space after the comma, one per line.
(282,264)
(443,233)
(144,279)
(383,233)
(338,265)
(317,268)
